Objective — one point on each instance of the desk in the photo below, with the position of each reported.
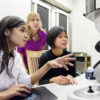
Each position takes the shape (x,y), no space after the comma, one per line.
(63,91)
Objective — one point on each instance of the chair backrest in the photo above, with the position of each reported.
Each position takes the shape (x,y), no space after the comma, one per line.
(33,59)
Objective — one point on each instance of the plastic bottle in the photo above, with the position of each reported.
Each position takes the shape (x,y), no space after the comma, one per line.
(89,74)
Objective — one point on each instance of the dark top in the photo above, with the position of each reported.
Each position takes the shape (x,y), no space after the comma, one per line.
(47,56)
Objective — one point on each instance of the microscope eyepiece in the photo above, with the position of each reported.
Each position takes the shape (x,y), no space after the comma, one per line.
(97,46)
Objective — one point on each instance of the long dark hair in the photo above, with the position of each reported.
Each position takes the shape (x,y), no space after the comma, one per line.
(8,22)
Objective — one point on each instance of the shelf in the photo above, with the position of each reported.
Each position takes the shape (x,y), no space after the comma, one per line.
(82,62)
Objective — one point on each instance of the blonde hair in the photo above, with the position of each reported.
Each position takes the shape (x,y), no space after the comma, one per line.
(29,18)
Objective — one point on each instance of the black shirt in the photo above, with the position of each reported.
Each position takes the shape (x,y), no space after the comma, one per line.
(53,72)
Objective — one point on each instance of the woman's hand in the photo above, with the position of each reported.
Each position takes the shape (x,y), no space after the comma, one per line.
(62,80)
(71,79)
(16,90)
(61,62)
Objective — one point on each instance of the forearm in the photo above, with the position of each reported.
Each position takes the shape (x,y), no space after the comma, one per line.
(40,73)
(5,95)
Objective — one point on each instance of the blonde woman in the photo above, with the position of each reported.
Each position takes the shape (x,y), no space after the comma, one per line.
(36,35)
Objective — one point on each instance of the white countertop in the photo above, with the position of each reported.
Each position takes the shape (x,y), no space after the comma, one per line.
(62,91)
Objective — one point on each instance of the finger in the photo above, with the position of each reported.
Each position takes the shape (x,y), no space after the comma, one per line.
(68,55)
(70,59)
(58,65)
(71,81)
(66,67)
(75,82)
(62,76)
(70,64)
(23,90)
(64,82)
(21,94)
(62,79)
(58,79)
(24,86)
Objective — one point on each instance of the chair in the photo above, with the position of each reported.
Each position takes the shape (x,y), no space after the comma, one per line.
(33,59)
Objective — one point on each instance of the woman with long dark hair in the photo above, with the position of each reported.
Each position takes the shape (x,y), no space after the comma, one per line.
(13,78)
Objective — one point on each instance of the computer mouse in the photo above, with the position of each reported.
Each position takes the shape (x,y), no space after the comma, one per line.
(30,96)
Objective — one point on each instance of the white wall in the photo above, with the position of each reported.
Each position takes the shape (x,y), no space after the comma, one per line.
(84,34)
(15,7)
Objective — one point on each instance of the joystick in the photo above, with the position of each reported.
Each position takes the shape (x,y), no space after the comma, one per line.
(90,90)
